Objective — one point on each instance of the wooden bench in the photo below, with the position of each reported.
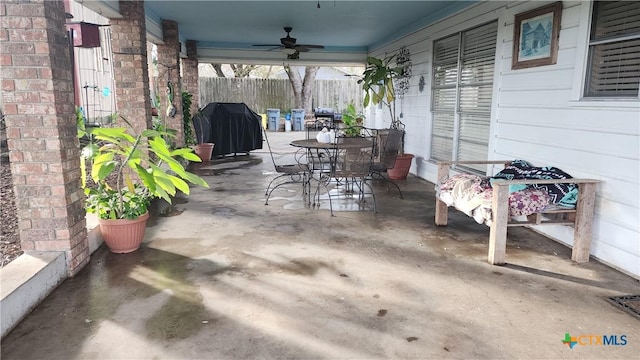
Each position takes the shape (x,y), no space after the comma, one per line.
(581,217)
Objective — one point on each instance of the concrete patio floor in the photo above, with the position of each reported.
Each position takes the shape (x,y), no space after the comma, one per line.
(222,276)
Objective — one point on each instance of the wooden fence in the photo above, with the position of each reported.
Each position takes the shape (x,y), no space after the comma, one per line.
(263,94)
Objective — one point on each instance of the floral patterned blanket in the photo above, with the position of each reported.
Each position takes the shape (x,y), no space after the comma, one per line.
(472,194)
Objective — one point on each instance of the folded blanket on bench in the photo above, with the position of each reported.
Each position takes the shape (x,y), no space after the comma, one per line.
(561,194)
(472,194)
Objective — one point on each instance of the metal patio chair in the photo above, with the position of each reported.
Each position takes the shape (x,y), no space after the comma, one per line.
(349,172)
(389,144)
(296,173)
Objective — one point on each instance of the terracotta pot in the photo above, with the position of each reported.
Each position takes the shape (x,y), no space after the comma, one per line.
(401,169)
(204,151)
(123,236)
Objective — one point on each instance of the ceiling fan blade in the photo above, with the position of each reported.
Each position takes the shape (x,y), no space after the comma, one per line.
(272,45)
(309,46)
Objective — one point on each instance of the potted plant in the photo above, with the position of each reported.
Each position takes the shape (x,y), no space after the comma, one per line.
(378,84)
(129,171)
(352,120)
(203,149)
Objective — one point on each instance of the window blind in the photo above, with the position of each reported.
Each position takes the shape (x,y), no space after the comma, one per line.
(444,96)
(462,90)
(614,50)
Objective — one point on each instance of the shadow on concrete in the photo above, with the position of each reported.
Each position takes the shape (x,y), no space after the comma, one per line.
(224,276)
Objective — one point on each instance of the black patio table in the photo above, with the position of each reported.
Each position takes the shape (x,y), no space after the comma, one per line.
(321,157)
(315,144)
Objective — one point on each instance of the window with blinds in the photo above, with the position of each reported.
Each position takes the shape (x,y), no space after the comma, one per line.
(462,89)
(614,50)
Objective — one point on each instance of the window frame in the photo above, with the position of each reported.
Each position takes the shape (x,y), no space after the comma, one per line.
(457,88)
(591,43)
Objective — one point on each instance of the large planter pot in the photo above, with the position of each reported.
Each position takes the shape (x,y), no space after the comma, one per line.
(401,169)
(123,236)
(204,151)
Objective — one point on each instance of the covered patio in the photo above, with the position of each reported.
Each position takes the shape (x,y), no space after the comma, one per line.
(221,275)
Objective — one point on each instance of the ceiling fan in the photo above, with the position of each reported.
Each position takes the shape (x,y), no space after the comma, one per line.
(289,46)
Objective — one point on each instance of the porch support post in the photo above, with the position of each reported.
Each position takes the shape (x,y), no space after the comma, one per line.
(500,219)
(584,221)
(131,73)
(38,95)
(442,211)
(190,80)
(169,73)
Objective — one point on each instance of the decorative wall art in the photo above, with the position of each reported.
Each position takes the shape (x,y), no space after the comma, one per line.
(403,60)
(535,37)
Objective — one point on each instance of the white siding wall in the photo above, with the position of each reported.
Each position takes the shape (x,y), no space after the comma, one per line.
(95,69)
(538,116)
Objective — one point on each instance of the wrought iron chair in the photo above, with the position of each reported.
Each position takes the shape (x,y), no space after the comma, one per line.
(389,143)
(291,173)
(350,171)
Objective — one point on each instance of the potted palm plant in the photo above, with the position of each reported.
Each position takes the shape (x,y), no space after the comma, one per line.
(378,84)
(129,170)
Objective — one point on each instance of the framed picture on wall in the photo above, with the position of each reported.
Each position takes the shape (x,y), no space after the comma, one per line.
(535,37)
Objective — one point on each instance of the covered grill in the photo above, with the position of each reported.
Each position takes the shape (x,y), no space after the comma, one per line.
(232,127)
(324,113)
(326,117)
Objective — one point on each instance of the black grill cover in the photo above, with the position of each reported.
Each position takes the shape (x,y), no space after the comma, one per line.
(232,127)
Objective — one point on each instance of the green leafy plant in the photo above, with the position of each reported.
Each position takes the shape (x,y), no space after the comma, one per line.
(86,138)
(80,123)
(144,167)
(351,119)
(187,101)
(378,84)
(131,203)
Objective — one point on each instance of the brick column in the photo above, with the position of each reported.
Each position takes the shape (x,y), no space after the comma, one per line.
(129,45)
(169,70)
(190,80)
(44,152)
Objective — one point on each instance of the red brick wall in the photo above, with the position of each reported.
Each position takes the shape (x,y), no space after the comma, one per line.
(44,151)
(129,46)
(190,74)
(169,70)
